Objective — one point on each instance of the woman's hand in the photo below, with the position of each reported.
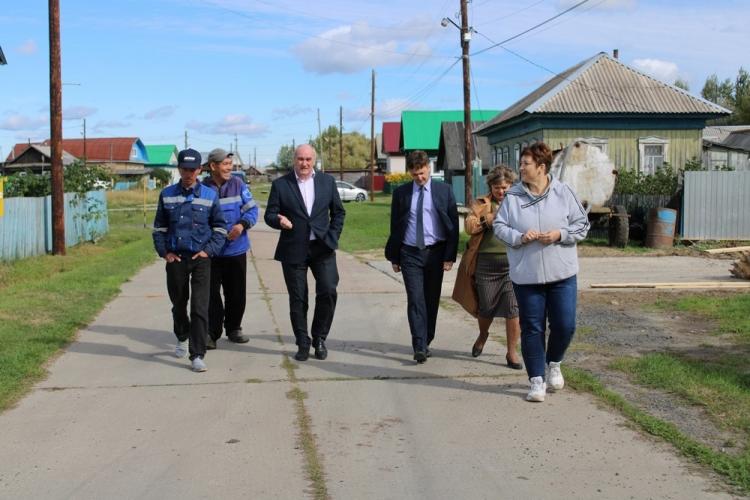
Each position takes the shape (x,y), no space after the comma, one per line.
(549,237)
(530,236)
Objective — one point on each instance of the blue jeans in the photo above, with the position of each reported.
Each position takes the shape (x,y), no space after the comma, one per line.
(555,302)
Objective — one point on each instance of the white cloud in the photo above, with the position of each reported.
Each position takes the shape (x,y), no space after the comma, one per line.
(28,47)
(391,108)
(665,71)
(605,4)
(291,111)
(351,48)
(110,124)
(15,121)
(160,112)
(78,112)
(231,124)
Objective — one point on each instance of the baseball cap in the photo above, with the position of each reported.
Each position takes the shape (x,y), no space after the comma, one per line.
(218,155)
(189,158)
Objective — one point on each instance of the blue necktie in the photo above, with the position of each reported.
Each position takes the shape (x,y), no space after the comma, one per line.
(420,219)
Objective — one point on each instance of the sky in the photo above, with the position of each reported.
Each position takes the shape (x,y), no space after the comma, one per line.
(255,72)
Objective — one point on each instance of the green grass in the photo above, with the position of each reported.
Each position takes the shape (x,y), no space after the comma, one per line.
(735,469)
(732,312)
(44,300)
(367,225)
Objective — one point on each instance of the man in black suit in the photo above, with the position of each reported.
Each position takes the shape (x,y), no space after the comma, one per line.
(306,207)
(422,245)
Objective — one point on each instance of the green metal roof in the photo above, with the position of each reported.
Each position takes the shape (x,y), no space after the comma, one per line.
(162,154)
(421,129)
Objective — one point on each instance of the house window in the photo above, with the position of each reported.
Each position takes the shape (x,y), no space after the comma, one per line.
(718,159)
(506,155)
(516,155)
(652,153)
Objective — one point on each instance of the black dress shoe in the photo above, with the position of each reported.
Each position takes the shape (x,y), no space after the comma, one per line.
(210,344)
(511,364)
(428,353)
(420,357)
(321,352)
(476,351)
(302,353)
(238,337)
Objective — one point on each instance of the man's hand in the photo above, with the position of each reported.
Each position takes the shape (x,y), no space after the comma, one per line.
(235,232)
(549,237)
(396,268)
(530,236)
(172,257)
(284,222)
(447,266)
(200,255)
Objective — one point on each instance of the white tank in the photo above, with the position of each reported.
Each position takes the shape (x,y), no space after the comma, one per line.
(586,169)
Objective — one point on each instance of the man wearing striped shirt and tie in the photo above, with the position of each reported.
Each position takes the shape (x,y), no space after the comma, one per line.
(422,245)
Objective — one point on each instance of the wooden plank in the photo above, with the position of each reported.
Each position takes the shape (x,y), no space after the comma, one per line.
(727,250)
(687,284)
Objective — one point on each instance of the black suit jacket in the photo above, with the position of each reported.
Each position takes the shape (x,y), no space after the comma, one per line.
(444,203)
(326,220)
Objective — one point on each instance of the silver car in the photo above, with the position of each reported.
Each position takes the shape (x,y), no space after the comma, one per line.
(348,192)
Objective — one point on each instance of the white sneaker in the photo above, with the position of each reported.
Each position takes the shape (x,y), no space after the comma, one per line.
(538,390)
(181,349)
(199,365)
(554,376)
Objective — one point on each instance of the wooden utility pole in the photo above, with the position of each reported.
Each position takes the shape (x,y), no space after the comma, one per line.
(341,142)
(55,120)
(85,157)
(468,143)
(186,141)
(320,144)
(372,139)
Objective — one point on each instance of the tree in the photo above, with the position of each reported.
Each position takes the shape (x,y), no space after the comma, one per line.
(682,84)
(735,96)
(356,149)
(285,158)
(162,176)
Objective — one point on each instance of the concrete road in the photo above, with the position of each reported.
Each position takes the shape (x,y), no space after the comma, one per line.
(119,417)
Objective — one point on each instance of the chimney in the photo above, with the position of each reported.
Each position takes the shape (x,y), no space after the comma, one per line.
(616,53)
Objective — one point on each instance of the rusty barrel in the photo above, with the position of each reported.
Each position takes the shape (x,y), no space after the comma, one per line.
(660,227)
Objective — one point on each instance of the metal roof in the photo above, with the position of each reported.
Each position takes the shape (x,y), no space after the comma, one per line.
(162,154)
(45,151)
(738,140)
(603,85)
(451,150)
(717,133)
(421,129)
(391,137)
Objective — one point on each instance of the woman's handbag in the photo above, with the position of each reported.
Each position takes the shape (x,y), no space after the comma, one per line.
(465,290)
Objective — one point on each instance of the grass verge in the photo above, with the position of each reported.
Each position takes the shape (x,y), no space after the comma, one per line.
(735,469)
(367,225)
(732,312)
(45,300)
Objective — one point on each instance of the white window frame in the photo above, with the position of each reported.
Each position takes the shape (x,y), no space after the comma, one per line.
(644,165)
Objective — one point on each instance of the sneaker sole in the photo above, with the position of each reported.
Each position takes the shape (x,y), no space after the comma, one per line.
(535,399)
(199,370)
(555,388)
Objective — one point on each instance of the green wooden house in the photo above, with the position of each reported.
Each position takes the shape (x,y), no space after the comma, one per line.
(421,129)
(163,156)
(640,122)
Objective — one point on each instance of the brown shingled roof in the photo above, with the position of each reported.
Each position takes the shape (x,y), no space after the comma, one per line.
(97,149)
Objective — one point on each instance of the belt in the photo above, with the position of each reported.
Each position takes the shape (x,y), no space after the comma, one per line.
(428,247)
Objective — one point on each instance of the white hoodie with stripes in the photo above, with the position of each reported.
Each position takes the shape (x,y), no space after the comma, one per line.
(557,208)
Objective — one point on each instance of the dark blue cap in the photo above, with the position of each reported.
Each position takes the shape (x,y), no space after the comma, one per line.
(189,158)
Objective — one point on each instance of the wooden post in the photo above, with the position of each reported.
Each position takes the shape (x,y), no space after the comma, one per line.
(372,140)
(55,114)
(468,145)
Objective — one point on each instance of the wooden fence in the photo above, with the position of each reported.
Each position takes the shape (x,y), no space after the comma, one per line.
(26,226)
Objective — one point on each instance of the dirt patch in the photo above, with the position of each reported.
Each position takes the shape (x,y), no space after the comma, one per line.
(616,324)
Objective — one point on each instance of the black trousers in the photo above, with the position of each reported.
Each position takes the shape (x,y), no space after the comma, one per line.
(423,278)
(230,275)
(321,260)
(185,277)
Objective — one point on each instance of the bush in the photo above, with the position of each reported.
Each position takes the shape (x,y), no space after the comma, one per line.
(162,176)
(398,178)
(664,182)
(77,178)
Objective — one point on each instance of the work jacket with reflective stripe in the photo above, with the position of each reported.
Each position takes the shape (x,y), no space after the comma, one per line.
(239,207)
(188,221)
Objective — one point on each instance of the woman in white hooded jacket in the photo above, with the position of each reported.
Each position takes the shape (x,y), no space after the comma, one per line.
(540,221)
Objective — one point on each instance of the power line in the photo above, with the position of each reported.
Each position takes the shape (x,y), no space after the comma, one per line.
(505,16)
(332,40)
(530,29)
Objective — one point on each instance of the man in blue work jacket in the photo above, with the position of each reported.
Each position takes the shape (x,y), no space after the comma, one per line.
(229,267)
(189,229)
